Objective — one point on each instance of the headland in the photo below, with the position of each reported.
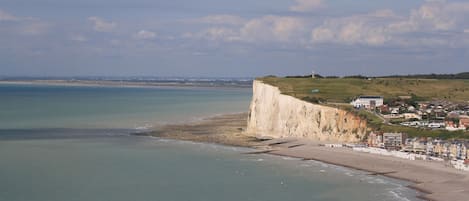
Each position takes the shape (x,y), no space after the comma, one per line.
(283,123)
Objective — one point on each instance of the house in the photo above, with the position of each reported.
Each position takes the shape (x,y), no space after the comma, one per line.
(384,109)
(416,145)
(411,108)
(369,102)
(430,148)
(375,140)
(452,126)
(464,121)
(412,116)
(441,149)
(394,141)
(394,110)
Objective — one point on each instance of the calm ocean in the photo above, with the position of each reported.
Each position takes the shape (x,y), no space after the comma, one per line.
(72,143)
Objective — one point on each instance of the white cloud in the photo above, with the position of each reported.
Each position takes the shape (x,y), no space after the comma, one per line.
(433,23)
(102,25)
(434,16)
(4,16)
(263,29)
(361,29)
(145,35)
(220,20)
(272,28)
(322,34)
(423,26)
(306,5)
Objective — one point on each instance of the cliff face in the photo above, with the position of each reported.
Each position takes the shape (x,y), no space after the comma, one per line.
(276,115)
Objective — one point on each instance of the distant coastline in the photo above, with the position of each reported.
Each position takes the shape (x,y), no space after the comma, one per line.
(183,82)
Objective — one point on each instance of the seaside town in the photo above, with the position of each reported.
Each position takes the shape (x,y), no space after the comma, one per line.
(425,115)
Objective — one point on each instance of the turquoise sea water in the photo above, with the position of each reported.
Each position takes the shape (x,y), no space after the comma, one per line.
(36,106)
(73,143)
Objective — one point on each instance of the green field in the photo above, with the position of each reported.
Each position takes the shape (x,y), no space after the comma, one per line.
(343,90)
(339,92)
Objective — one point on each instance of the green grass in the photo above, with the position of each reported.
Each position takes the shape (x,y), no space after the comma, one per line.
(334,91)
(342,90)
(416,132)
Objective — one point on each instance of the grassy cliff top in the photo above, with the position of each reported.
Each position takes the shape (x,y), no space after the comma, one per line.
(343,90)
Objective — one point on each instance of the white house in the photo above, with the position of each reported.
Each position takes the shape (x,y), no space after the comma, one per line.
(412,116)
(368,102)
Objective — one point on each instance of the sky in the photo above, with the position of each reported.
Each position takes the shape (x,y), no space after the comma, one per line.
(232,38)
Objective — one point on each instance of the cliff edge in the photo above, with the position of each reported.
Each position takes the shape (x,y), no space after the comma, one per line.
(277,115)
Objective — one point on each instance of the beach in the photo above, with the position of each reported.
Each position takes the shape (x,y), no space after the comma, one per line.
(435,180)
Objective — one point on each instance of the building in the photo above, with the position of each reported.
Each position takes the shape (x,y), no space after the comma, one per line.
(464,121)
(394,141)
(375,140)
(441,149)
(412,116)
(369,102)
(417,146)
(466,147)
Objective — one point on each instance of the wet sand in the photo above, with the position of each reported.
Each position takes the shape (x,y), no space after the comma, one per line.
(225,129)
(437,181)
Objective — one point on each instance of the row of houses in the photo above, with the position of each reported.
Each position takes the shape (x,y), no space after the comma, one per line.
(453,150)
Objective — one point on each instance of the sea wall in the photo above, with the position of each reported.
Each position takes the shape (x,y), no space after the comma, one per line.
(277,115)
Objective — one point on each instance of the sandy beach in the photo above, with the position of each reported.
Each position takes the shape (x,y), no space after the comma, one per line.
(435,180)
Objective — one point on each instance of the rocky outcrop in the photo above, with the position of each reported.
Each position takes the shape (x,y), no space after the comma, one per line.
(277,115)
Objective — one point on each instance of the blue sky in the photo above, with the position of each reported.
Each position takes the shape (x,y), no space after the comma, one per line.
(232,38)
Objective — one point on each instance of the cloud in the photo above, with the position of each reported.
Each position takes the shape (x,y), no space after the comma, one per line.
(257,30)
(434,23)
(435,16)
(306,5)
(145,35)
(272,28)
(24,25)
(366,29)
(102,25)
(220,20)
(4,16)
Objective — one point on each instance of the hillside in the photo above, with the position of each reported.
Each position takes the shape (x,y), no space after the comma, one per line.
(342,90)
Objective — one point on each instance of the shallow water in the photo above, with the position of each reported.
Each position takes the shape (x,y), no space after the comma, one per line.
(143,168)
(77,151)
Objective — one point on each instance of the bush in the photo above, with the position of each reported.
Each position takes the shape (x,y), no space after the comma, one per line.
(313,99)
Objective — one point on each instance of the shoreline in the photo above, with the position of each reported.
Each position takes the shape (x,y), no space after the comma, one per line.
(433,180)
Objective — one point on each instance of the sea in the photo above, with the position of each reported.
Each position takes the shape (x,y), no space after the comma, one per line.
(75,143)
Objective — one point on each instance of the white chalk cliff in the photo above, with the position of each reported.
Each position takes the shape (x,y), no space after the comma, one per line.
(277,115)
